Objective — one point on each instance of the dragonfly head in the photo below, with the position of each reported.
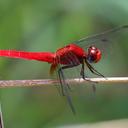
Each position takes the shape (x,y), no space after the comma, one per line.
(93,55)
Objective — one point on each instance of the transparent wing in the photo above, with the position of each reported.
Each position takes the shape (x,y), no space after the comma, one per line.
(102,39)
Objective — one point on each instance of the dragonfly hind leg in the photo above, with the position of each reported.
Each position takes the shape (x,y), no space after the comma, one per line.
(65,86)
(60,72)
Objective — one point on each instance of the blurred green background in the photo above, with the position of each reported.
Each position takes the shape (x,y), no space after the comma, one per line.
(45,25)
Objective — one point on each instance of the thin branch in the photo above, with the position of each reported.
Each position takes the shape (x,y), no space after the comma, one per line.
(42,82)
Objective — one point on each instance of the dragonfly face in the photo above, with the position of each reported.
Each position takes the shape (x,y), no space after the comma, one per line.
(94,54)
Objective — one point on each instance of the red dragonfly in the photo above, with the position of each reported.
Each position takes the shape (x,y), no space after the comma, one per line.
(69,56)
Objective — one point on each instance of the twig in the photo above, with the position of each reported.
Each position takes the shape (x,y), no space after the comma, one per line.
(42,82)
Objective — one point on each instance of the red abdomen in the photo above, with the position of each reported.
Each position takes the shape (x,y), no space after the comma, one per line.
(40,56)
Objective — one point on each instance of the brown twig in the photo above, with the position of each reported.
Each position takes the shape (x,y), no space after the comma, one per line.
(42,82)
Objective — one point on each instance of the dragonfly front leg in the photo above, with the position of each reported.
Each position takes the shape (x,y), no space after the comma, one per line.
(82,73)
(93,70)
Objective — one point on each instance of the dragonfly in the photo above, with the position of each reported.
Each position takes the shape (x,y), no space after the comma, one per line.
(84,52)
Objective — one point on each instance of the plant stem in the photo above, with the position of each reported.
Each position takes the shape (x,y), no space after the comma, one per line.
(42,82)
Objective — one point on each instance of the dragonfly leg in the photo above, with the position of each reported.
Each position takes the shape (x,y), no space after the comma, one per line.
(60,79)
(84,77)
(65,88)
(66,67)
(93,70)
(82,73)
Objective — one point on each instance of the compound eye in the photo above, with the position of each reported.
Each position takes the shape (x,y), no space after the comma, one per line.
(94,54)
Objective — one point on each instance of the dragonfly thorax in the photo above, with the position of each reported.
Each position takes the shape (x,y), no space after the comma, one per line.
(93,55)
